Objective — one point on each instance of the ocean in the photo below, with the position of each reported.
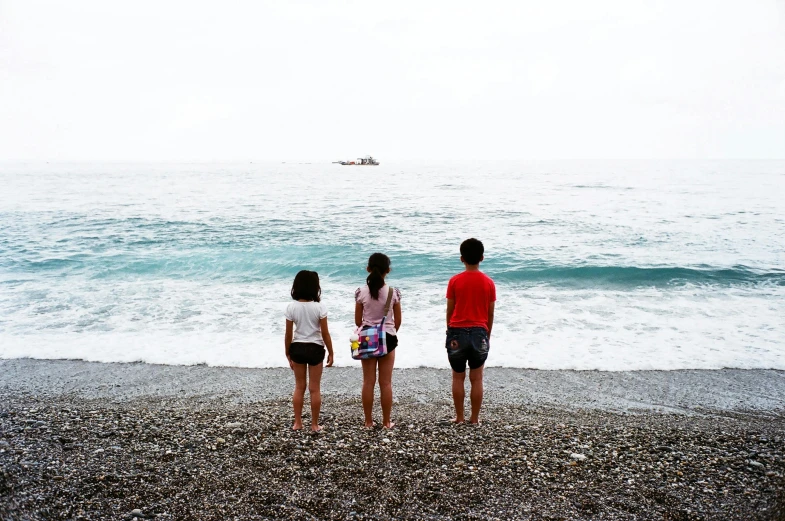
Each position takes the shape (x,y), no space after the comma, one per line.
(622,265)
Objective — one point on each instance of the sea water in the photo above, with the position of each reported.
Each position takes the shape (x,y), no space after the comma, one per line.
(598,265)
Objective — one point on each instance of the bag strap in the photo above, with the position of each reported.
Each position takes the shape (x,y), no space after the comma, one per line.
(389,301)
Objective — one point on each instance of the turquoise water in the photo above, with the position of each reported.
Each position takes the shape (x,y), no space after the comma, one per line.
(630,265)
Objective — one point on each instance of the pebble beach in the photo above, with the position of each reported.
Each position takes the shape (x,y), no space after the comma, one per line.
(98,441)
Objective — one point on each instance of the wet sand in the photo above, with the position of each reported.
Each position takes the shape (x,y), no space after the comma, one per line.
(686,391)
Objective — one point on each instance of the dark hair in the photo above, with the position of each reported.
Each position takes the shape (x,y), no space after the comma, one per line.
(379,266)
(306,286)
(472,251)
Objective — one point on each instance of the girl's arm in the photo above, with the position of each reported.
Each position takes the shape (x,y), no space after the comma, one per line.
(328,341)
(397,315)
(287,340)
(358,314)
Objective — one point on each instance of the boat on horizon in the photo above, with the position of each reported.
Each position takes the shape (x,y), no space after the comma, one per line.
(367,160)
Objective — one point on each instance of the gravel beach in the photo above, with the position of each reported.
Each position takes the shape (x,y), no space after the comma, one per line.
(83,440)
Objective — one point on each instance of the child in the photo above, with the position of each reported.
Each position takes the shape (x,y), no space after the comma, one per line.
(471,297)
(305,340)
(370,301)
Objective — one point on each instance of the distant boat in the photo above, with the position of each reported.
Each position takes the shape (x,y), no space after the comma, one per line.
(367,160)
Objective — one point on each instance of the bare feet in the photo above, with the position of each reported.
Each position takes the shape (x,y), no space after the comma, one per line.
(298,426)
(389,425)
(370,425)
(315,429)
(457,421)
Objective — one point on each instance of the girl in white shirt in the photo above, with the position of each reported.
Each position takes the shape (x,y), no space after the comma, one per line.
(306,337)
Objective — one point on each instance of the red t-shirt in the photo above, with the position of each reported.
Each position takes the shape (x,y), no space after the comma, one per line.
(473,292)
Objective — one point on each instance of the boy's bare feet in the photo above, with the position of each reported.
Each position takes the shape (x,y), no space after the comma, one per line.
(370,425)
(298,426)
(389,425)
(457,421)
(316,429)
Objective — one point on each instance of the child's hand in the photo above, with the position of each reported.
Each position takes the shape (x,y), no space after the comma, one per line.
(329,360)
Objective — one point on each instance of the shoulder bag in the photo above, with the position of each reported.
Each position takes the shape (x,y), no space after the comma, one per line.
(371,341)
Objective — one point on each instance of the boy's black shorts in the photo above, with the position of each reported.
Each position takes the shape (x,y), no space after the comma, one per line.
(306,353)
(467,344)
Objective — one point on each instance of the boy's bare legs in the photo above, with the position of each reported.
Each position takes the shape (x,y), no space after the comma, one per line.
(299,394)
(475,378)
(369,382)
(314,387)
(385,388)
(458,394)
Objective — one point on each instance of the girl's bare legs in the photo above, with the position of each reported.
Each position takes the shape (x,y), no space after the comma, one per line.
(385,387)
(314,383)
(369,381)
(299,394)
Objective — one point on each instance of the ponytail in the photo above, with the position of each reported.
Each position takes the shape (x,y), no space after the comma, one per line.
(378,266)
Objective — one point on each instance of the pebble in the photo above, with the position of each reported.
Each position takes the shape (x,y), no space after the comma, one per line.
(665,466)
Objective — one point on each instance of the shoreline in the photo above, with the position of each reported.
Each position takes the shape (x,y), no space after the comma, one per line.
(679,391)
(86,440)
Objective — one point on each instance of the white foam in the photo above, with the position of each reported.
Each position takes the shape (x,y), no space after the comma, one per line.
(537,328)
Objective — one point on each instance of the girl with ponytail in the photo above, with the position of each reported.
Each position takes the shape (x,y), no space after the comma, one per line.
(370,301)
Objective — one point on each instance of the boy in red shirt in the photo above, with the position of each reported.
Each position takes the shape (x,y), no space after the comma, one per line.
(471,297)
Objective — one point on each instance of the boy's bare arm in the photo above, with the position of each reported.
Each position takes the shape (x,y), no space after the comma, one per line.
(450,309)
(490,317)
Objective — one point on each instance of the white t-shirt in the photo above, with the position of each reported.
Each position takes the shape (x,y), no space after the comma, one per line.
(306,317)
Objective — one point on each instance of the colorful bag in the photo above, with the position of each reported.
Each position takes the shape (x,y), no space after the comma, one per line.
(371,341)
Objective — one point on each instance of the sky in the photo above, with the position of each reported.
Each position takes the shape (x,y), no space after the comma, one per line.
(408,80)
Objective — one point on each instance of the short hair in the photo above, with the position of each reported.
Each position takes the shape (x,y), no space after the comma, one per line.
(472,251)
(306,286)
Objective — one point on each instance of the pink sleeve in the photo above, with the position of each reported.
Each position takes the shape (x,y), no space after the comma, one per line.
(357,295)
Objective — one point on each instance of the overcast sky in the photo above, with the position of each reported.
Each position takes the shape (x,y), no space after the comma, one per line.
(326,80)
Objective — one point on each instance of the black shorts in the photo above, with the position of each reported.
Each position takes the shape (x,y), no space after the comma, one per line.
(392,342)
(306,353)
(467,344)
